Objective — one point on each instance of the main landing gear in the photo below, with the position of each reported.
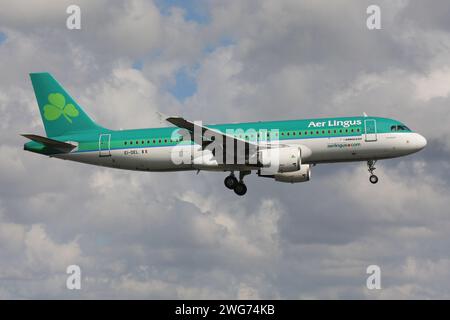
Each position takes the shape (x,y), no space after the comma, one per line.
(371,168)
(231,182)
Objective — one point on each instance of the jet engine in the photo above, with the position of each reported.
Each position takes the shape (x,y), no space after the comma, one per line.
(287,159)
(302,175)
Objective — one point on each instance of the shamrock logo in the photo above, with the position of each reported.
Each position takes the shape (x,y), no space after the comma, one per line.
(57,106)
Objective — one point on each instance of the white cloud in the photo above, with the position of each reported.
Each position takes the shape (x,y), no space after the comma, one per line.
(42,254)
(148,235)
(434,85)
(125,99)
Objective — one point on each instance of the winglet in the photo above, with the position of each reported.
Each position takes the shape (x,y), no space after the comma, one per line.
(182,123)
(162,117)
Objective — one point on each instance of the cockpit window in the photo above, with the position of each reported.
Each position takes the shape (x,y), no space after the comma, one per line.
(400,128)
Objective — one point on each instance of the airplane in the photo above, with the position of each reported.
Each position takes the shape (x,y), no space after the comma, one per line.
(284,151)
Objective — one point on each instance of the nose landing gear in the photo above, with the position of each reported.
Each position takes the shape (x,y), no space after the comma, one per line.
(371,168)
(237,185)
(373,179)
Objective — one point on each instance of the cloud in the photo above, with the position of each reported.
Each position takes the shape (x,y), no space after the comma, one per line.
(129,95)
(434,85)
(182,235)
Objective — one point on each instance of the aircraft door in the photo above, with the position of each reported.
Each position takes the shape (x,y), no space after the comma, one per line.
(104,145)
(370,128)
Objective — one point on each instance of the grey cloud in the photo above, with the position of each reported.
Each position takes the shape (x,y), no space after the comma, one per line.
(179,235)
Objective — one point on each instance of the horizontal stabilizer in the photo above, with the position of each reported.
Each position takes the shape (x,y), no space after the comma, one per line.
(51,143)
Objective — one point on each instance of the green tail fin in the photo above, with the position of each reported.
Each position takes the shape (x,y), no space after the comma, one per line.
(60,113)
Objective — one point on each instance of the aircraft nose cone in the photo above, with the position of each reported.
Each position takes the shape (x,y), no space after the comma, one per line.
(420,141)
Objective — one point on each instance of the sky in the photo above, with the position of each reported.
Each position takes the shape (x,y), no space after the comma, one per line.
(183,235)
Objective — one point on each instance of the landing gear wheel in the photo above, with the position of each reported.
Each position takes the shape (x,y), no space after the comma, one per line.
(373,179)
(371,168)
(240,189)
(230,182)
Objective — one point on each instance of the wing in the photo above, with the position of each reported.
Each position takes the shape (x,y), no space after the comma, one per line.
(207,133)
(233,149)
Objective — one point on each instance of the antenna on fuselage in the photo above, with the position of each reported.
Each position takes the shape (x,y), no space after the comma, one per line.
(365,114)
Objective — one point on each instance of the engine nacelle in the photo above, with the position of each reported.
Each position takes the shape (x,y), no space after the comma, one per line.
(302,175)
(280,160)
(204,161)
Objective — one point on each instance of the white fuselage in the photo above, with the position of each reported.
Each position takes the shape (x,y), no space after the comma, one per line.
(314,150)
